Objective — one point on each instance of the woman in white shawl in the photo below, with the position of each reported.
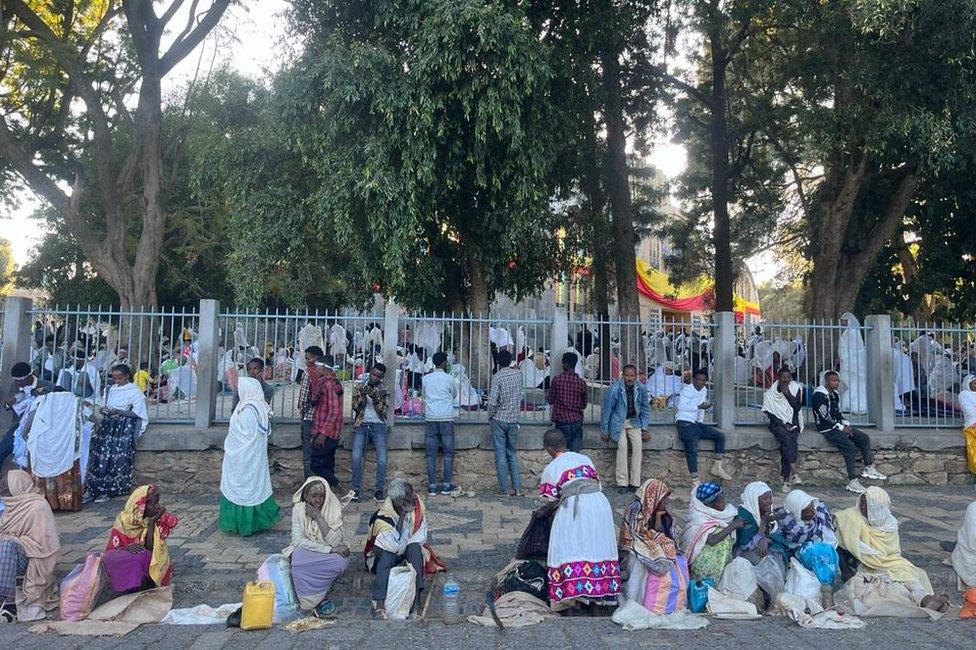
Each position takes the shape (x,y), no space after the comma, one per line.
(964,554)
(967,401)
(853,366)
(318,552)
(709,532)
(246,502)
(783,405)
(904,374)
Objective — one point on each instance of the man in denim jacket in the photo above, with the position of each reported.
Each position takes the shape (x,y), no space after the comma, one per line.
(625,418)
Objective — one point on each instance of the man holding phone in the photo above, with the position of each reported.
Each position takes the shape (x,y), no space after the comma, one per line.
(370,405)
(691,405)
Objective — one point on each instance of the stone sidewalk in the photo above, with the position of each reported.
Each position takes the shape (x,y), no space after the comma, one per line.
(476,536)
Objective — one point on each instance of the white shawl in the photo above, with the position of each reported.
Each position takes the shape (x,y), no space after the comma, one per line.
(244,476)
(128,397)
(750,501)
(701,521)
(775,402)
(52,442)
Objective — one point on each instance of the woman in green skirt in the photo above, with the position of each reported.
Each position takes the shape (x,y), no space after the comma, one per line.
(246,502)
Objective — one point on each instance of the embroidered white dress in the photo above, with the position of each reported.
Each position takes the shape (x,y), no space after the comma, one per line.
(583,561)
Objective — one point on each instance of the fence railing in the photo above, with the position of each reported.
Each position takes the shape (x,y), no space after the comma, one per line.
(188,361)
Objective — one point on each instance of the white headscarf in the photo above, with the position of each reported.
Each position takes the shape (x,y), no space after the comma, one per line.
(244,478)
(750,500)
(700,522)
(796,502)
(776,403)
(964,555)
(879,509)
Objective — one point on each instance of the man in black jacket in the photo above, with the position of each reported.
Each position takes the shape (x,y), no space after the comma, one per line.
(832,425)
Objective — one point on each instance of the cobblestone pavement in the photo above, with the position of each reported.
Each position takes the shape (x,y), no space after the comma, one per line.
(476,536)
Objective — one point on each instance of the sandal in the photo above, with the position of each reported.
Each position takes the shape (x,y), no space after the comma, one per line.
(380,614)
(7,616)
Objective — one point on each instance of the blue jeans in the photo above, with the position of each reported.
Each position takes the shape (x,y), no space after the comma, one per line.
(573,432)
(690,433)
(377,431)
(307,447)
(439,434)
(504,436)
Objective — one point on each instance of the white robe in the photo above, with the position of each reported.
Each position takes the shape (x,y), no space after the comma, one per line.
(244,476)
(904,375)
(53,443)
(853,367)
(129,398)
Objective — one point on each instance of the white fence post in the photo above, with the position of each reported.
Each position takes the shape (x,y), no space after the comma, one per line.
(560,335)
(880,372)
(16,339)
(207,358)
(391,327)
(724,372)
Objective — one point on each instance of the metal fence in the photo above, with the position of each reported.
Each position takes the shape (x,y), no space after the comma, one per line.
(76,348)
(929,363)
(808,350)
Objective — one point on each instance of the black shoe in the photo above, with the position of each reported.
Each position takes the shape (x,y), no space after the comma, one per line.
(379,496)
(948,547)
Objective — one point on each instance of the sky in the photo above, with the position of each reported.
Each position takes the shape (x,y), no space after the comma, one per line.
(248,41)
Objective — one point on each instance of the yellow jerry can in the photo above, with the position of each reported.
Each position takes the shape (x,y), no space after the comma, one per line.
(259,601)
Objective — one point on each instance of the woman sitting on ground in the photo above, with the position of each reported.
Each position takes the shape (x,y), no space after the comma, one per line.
(964,553)
(868,535)
(136,556)
(318,551)
(759,541)
(709,532)
(648,548)
(29,545)
(804,520)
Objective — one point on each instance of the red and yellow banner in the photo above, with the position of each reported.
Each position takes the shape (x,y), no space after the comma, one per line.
(697,295)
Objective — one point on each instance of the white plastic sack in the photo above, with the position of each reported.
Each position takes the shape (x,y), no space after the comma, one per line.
(201,615)
(277,569)
(771,576)
(728,606)
(802,582)
(738,579)
(400,592)
(632,616)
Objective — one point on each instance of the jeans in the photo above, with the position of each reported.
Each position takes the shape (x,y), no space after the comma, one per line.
(504,436)
(789,452)
(7,444)
(573,432)
(439,434)
(307,447)
(386,561)
(377,431)
(690,433)
(322,461)
(846,444)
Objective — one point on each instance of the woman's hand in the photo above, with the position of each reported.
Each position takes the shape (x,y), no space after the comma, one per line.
(762,548)
(135,549)
(341,549)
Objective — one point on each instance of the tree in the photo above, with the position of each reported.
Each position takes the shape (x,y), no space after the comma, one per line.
(426,128)
(72,69)
(6,267)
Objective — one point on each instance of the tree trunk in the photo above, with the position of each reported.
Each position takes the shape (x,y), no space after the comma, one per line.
(479,303)
(718,128)
(618,189)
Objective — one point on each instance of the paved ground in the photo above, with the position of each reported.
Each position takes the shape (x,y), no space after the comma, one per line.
(476,536)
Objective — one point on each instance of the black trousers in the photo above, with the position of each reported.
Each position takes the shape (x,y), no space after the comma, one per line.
(322,461)
(386,561)
(847,444)
(789,452)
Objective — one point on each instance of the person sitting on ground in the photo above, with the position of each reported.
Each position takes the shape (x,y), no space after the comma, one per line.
(832,426)
(582,558)
(29,546)
(783,405)
(648,548)
(867,536)
(964,553)
(535,372)
(625,417)
(803,520)
(709,532)
(758,539)
(664,385)
(691,404)
(136,557)
(317,552)
(398,533)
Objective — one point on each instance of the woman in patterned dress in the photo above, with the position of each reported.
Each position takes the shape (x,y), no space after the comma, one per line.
(113,446)
(582,560)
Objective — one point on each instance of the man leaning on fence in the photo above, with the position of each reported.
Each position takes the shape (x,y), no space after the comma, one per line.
(567,396)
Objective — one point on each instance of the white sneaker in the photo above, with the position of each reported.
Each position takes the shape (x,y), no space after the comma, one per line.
(720,471)
(797,479)
(871,472)
(785,488)
(855,487)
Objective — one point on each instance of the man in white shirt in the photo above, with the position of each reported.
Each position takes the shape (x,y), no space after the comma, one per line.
(440,391)
(691,404)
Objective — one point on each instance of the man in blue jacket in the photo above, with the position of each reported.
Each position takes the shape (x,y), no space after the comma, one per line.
(625,419)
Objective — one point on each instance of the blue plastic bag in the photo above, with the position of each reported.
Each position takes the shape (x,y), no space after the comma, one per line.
(822,559)
(698,594)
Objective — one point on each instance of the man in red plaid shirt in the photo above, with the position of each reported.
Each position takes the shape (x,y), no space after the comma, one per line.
(567,396)
(326,395)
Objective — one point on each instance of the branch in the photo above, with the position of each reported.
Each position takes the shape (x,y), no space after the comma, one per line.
(184,45)
(168,14)
(684,86)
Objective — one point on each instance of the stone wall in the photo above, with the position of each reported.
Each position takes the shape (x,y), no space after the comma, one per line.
(474,468)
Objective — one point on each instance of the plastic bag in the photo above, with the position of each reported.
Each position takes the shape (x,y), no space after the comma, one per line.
(400,592)
(277,569)
(80,588)
(739,579)
(802,582)
(823,560)
(698,594)
(668,593)
(771,576)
